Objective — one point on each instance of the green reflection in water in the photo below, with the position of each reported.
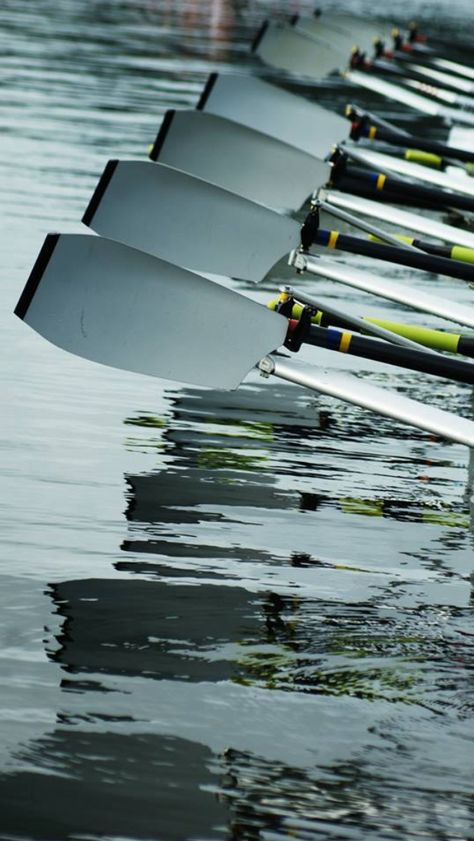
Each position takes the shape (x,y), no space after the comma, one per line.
(215,458)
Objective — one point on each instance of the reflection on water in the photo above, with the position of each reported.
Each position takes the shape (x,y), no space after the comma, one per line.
(106,785)
(242,616)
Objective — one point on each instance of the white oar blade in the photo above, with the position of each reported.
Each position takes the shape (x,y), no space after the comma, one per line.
(402,218)
(188,221)
(287,49)
(402,294)
(357,32)
(387,163)
(238,158)
(354,390)
(103,301)
(271,110)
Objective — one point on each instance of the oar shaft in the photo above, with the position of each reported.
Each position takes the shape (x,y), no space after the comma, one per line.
(450,252)
(436,339)
(431,146)
(378,185)
(381,251)
(416,360)
(353,390)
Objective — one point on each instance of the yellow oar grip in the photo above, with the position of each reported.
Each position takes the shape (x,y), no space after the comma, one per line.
(380,183)
(423,335)
(401,237)
(459,252)
(425,158)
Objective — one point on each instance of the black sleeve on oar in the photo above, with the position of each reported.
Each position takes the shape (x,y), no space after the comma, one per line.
(378,184)
(207,91)
(417,142)
(99,192)
(392,254)
(466,345)
(161,136)
(36,274)
(415,360)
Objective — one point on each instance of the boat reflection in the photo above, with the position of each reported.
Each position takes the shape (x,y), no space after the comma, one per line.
(108,785)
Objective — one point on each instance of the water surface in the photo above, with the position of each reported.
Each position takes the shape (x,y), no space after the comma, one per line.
(242,616)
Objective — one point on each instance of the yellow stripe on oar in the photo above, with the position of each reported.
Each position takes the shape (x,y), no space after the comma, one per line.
(424,158)
(459,252)
(345,342)
(372,132)
(380,183)
(333,238)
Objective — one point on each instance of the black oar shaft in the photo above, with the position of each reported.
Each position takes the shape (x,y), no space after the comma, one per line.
(401,256)
(377,184)
(451,252)
(356,345)
(431,146)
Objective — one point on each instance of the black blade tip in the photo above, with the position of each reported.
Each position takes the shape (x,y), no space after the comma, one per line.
(161,136)
(99,192)
(207,91)
(36,274)
(259,36)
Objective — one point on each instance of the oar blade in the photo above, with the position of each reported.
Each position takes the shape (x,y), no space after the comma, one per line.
(274,111)
(239,159)
(355,31)
(103,301)
(388,403)
(188,221)
(281,46)
(344,39)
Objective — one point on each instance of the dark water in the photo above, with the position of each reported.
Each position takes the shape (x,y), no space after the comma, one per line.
(243,616)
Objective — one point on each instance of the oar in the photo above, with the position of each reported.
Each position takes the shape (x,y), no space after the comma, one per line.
(303,331)
(440,340)
(401,218)
(203,144)
(117,306)
(186,220)
(365,124)
(314,130)
(391,164)
(288,117)
(357,43)
(420,78)
(363,32)
(282,47)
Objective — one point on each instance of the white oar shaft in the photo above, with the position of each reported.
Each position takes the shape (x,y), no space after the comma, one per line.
(413,100)
(402,218)
(359,324)
(384,288)
(354,390)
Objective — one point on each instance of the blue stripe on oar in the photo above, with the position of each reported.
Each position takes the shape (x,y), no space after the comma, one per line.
(334,338)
